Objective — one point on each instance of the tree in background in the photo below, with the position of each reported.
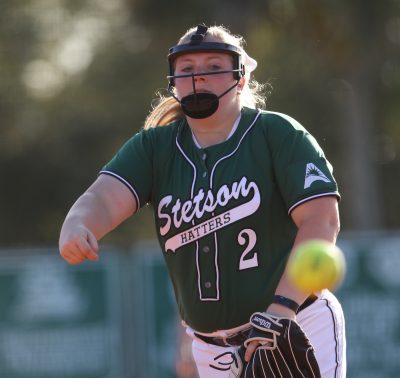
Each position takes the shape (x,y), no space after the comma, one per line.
(77,79)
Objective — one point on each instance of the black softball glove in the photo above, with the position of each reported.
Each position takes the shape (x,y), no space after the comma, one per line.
(284,350)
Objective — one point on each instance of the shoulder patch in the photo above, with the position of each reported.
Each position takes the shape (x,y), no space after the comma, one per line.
(313,173)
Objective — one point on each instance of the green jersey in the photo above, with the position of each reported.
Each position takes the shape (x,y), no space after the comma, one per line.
(222,213)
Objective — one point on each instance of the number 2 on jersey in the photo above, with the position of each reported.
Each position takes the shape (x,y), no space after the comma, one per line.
(249,262)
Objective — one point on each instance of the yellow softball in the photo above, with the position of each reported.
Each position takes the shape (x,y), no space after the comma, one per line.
(315,265)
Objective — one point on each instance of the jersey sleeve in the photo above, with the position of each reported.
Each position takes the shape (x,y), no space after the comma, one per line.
(132,165)
(300,166)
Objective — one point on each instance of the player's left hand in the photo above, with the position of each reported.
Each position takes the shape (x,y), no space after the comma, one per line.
(281,349)
(276,311)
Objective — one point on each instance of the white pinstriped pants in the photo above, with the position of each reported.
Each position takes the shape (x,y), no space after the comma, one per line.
(323,323)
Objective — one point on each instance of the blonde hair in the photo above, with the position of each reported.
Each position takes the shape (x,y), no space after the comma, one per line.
(167,109)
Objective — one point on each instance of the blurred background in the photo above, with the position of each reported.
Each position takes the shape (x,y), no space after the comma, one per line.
(77,78)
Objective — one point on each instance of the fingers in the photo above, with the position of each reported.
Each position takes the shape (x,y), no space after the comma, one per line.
(72,256)
(78,248)
(250,350)
(88,248)
(91,252)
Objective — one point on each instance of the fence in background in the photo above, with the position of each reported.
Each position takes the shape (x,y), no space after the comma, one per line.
(370,297)
(117,318)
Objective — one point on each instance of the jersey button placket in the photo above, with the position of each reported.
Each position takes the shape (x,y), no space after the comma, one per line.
(203,157)
(208,272)
(206,249)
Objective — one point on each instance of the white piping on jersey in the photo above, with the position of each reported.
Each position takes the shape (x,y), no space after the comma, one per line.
(293,122)
(234,127)
(336,194)
(216,264)
(190,162)
(192,193)
(130,187)
(193,222)
(197,144)
(199,275)
(211,184)
(237,147)
(333,313)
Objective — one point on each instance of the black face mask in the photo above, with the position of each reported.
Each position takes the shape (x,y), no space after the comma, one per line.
(200,105)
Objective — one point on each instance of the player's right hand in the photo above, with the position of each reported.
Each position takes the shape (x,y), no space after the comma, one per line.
(78,244)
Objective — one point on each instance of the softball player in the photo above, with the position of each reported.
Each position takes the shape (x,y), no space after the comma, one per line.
(233,189)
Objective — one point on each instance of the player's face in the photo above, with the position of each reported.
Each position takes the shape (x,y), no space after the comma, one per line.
(196,63)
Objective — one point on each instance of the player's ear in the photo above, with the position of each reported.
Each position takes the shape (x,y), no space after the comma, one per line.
(241,84)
